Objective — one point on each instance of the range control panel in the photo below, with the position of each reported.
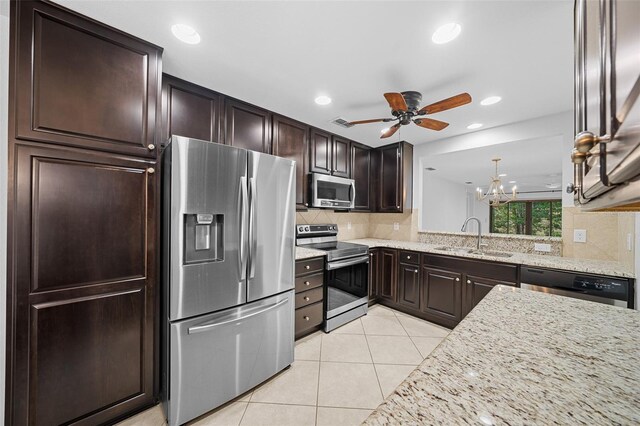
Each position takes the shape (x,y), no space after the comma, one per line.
(311,230)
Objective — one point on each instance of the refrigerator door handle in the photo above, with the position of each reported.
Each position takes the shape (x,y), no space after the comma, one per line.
(207,327)
(244,202)
(253,240)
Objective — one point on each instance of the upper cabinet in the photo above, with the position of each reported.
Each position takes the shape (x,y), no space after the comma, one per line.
(80,83)
(393,178)
(361,174)
(247,126)
(291,140)
(189,110)
(329,154)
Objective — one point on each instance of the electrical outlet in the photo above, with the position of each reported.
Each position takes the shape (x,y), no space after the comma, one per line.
(580,235)
(542,247)
(396,226)
(348,225)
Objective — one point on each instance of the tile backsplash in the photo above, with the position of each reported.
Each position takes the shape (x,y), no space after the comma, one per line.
(499,242)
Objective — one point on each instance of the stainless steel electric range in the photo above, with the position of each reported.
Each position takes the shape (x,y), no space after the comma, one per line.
(346,292)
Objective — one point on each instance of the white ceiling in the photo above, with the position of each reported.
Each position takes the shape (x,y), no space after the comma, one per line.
(531,163)
(282,54)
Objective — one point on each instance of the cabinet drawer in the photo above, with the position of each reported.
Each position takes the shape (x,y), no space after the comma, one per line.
(308,297)
(308,282)
(308,266)
(308,317)
(409,257)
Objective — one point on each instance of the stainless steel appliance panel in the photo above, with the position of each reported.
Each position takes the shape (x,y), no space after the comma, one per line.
(271,225)
(207,236)
(332,191)
(573,294)
(216,357)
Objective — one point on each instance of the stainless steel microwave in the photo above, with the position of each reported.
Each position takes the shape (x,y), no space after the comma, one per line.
(332,192)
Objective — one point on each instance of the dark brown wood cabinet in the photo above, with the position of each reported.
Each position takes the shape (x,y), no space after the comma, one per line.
(84,250)
(309,314)
(409,285)
(247,126)
(476,288)
(442,295)
(189,110)
(388,281)
(394,178)
(291,141)
(361,174)
(374,274)
(80,83)
(329,154)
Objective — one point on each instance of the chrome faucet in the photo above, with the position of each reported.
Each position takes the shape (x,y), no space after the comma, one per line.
(464,229)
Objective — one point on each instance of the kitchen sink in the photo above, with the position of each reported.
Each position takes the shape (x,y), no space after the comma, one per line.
(455,249)
(490,253)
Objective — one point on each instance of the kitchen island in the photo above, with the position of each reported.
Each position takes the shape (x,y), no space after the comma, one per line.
(522,357)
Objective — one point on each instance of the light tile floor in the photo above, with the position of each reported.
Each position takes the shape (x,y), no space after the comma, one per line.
(336,379)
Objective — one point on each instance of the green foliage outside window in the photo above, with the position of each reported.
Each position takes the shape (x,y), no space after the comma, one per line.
(541,218)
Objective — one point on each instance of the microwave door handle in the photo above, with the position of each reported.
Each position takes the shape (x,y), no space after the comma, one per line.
(352,192)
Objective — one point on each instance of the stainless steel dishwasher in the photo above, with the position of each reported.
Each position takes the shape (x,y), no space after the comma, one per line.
(596,288)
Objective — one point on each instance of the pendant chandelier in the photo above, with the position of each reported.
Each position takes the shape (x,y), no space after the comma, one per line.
(495,195)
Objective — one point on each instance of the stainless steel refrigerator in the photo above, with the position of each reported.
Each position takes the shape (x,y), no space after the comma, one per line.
(228,275)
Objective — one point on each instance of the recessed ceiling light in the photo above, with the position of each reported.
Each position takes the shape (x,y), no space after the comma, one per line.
(385,130)
(502,175)
(512,181)
(446,33)
(474,126)
(185,33)
(323,100)
(490,100)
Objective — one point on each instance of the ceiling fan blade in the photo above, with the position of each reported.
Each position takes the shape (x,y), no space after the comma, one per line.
(391,131)
(445,104)
(396,101)
(373,120)
(430,123)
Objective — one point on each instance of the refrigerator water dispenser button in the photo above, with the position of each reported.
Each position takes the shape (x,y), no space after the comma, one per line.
(203,237)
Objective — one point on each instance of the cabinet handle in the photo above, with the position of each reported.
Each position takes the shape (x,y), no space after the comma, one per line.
(468,281)
(151,170)
(371,254)
(151,147)
(306,318)
(307,267)
(457,279)
(408,257)
(307,283)
(306,298)
(416,271)
(397,207)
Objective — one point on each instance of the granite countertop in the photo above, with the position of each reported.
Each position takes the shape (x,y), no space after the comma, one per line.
(307,253)
(602,267)
(523,357)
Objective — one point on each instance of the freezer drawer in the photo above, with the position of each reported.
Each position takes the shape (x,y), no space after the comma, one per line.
(216,357)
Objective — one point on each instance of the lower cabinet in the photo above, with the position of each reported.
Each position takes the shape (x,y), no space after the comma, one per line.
(309,296)
(438,288)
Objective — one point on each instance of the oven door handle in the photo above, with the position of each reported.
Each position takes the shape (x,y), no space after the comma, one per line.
(349,262)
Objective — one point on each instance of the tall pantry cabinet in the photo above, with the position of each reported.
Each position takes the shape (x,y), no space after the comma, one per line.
(83,219)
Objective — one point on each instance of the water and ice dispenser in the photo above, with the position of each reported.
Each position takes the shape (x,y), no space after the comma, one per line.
(203,238)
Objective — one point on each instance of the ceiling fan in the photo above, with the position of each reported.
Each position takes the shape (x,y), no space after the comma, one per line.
(404,108)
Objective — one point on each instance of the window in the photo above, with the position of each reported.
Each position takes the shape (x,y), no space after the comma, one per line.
(542,218)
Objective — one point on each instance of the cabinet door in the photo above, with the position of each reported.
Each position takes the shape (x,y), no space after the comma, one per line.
(84,251)
(409,285)
(81,83)
(189,110)
(361,174)
(247,126)
(374,273)
(341,157)
(390,179)
(290,140)
(388,283)
(476,288)
(442,295)
(320,152)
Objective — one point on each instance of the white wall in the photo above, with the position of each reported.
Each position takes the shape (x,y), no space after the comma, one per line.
(4,84)
(560,124)
(445,204)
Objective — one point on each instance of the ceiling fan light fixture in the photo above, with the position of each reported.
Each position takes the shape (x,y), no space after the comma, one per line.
(185,33)
(323,100)
(446,33)
(490,100)
(474,126)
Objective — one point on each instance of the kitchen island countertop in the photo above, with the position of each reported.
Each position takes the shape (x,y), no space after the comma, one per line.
(523,357)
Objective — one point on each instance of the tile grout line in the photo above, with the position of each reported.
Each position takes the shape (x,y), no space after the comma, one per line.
(375,370)
(318,386)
